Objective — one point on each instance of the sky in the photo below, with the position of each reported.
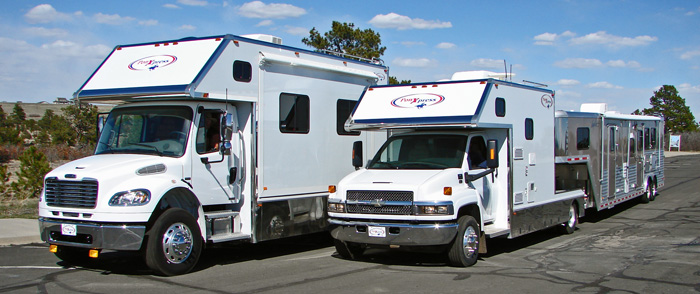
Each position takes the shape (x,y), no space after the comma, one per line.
(616,51)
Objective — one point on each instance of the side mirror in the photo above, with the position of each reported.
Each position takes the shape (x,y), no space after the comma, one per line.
(492,153)
(228,124)
(357,154)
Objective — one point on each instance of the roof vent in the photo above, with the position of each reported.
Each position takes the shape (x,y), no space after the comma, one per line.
(264,38)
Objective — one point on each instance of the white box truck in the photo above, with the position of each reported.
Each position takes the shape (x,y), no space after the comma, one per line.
(467,159)
(214,139)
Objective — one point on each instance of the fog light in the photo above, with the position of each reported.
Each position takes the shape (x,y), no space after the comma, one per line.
(53,248)
(94,253)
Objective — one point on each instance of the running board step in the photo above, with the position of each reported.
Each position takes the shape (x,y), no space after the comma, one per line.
(228,237)
(223,226)
(491,231)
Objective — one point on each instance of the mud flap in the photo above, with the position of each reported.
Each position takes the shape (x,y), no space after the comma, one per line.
(482,243)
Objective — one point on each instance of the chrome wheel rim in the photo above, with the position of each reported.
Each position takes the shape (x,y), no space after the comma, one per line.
(572,217)
(470,242)
(177,243)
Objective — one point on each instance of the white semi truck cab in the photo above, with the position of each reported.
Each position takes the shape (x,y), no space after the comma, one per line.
(466,159)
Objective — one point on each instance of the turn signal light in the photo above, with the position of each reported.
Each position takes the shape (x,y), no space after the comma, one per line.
(94,253)
(447,191)
(331,189)
(53,248)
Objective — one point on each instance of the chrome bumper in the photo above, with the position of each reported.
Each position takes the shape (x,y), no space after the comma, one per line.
(93,235)
(396,234)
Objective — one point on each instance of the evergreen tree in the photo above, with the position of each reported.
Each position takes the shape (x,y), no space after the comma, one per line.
(667,103)
(83,120)
(345,38)
(33,166)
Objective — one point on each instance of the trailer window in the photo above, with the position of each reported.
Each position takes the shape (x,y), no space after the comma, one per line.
(653,138)
(500,107)
(343,110)
(421,152)
(611,139)
(242,71)
(633,150)
(529,129)
(583,138)
(294,113)
(640,144)
(647,142)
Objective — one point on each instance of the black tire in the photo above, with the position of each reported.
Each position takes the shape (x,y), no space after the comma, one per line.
(649,193)
(348,250)
(570,225)
(174,243)
(274,224)
(654,192)
(464,250)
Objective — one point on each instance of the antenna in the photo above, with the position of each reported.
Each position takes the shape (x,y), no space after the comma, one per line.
(505,66)
(511,72)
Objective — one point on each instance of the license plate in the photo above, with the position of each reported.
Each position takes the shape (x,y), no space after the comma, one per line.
(69,230)
(379,232)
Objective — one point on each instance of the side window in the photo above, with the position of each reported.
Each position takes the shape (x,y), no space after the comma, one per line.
(529,129)
(583,138)
(653,138)
(208,136)
(640,143)
(477,153)
(242,71)
(294,113)
(612,138)
(500,107)
(633,150)
(647,141)
(343,110)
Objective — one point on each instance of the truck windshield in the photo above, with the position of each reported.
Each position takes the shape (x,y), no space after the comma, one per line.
(421,152)
(160,130)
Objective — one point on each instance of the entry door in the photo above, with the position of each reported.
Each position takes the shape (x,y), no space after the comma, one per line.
(476,157)
(216,177)
(611,158)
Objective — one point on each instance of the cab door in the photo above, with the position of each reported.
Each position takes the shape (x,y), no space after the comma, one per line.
(216,163)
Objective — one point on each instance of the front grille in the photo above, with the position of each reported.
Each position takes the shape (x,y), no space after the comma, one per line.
(73,194)
(382,195)
(380,202)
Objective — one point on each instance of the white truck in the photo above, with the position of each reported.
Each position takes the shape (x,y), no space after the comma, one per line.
(467,159)
(214,139)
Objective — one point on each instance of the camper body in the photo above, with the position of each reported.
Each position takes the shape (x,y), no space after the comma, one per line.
(466,160)
(215,139)
(615,157)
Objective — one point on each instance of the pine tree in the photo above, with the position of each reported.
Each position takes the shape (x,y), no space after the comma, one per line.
(677,116)
(33,166)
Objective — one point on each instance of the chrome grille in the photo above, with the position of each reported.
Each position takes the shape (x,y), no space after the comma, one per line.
(383,195)
(74,194)
(380,202)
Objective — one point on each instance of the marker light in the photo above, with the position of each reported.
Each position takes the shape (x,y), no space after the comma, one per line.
(447,191)
(331,189)
(94,253)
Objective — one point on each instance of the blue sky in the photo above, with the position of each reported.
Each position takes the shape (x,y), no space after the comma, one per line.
(613,51)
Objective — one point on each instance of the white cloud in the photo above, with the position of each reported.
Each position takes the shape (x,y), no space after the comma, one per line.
(445,45)
(112,19)
(258,9)
(149,22)
(413,62)
(578,63)
(690,54)
(193,2)
(171,6)
(265,23)
(45,13)
(487,63)
(71,49)
(45,32)
(622,63)
(548,39)
(603,38)
(412,43)
(401,22)
(296,31)
(567,82)
(187,28)
(603,85)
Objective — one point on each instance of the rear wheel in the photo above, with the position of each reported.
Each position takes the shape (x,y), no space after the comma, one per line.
(348,250)
(465,248)
(174,243)
(649,194)
(570,225)
(654,191)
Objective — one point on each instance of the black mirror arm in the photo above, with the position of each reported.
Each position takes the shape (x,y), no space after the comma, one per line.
(470,178)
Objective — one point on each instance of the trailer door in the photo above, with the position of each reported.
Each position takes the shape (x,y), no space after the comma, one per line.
(610,158)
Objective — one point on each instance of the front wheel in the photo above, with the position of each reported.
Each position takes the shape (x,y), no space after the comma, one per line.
(465,248)
(174,243)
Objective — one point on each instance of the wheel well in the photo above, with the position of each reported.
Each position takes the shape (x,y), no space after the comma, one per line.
(471,209)
(176,198)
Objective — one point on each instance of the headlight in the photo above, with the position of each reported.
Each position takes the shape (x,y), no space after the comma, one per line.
(435,209)
(131,198)
(336,207)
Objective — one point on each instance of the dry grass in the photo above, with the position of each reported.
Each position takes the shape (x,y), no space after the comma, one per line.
(24,208)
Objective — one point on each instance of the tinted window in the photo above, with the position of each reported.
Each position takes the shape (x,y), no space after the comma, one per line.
(294,113)
(583,138)
(242,71)
(343,110)
(500,107)
(529,129)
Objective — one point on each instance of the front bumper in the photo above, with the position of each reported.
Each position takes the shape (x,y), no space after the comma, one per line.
(396,233)
(93,235)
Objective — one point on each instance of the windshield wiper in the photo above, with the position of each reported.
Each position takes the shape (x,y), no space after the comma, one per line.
(150,146)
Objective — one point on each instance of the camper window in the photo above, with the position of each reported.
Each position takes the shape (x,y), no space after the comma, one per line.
(294,113)
(500,107)
(343,110)
(242,71)
(583,139)
(529,129)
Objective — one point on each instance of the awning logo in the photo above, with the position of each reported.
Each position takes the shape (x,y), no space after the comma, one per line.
(417,100)
(152,62)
